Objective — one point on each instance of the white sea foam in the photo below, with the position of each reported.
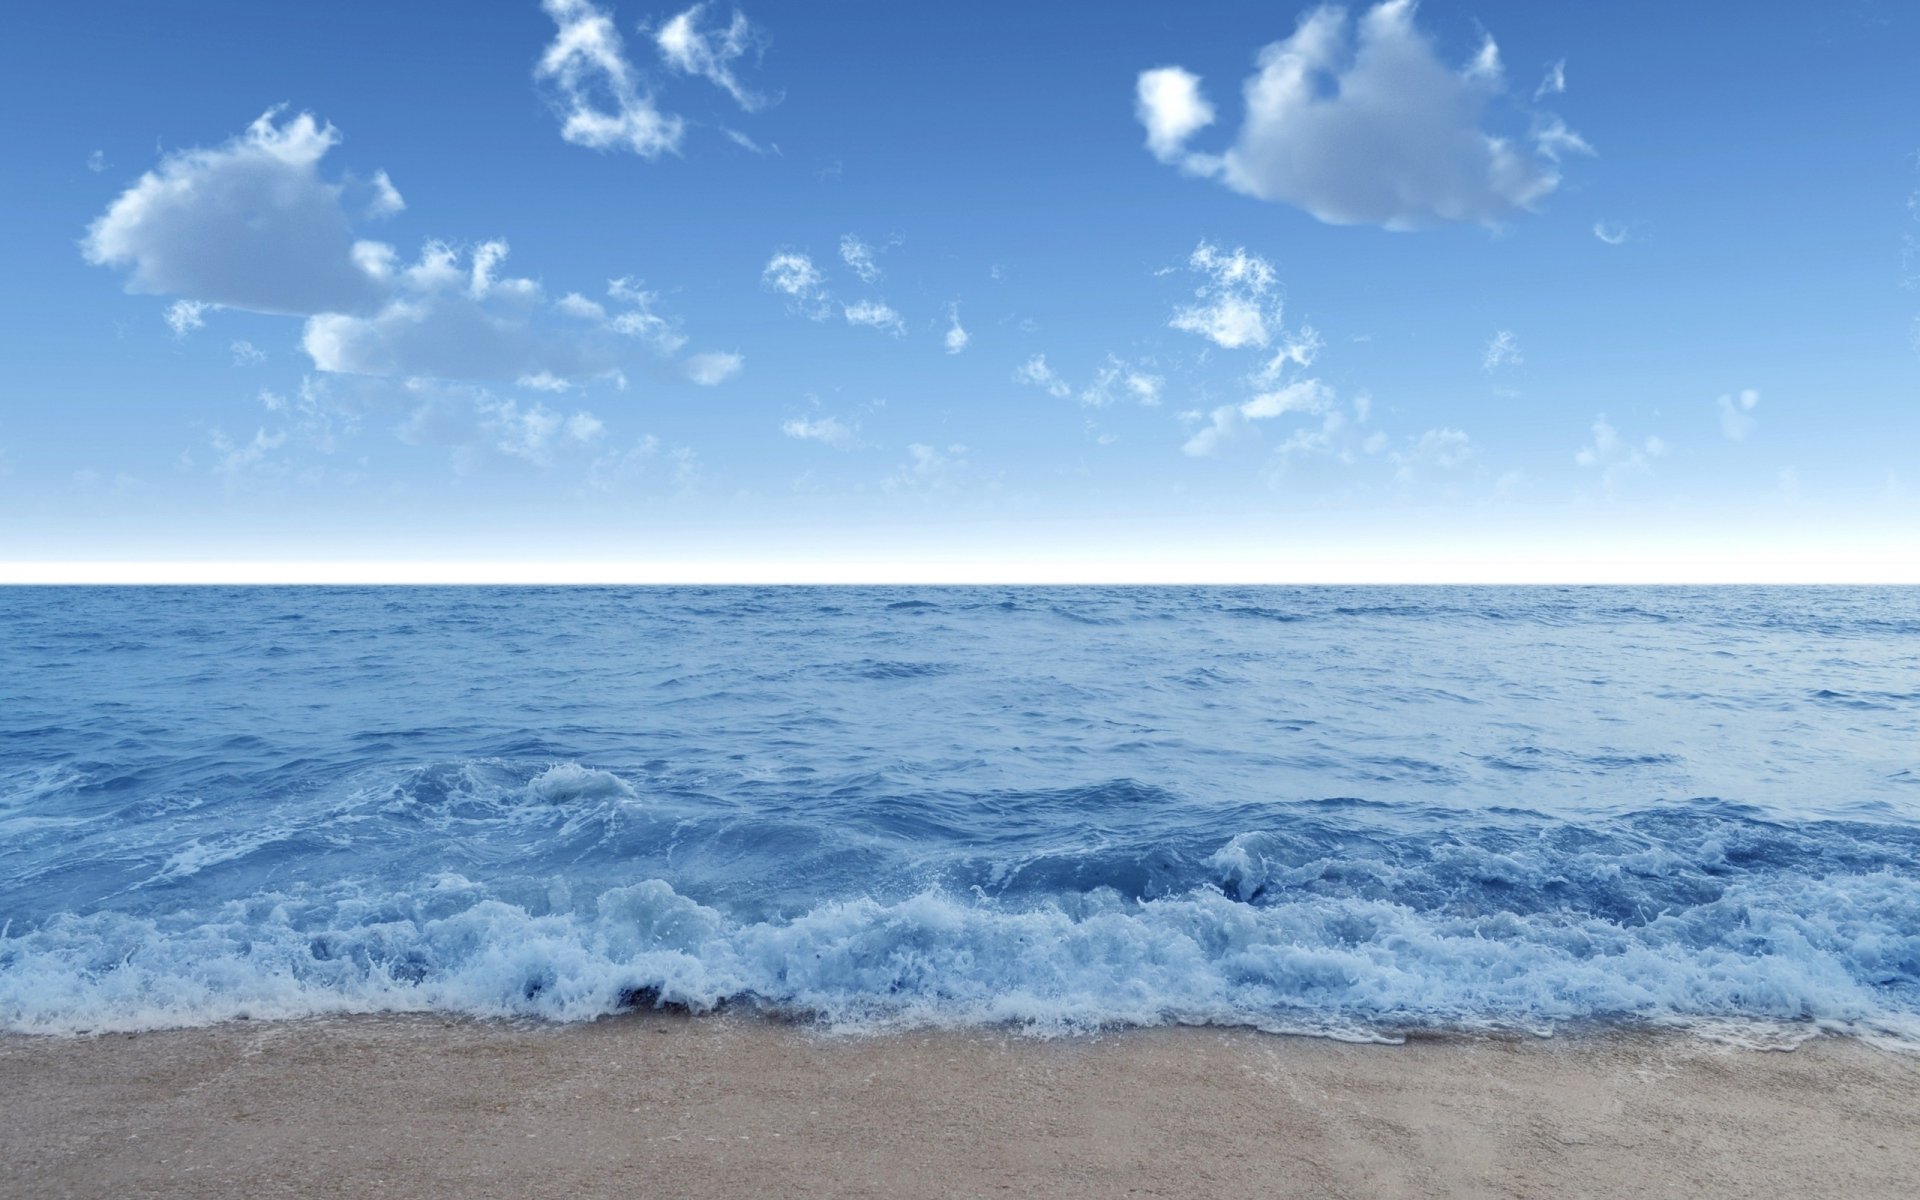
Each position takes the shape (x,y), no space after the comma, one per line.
(1358,969)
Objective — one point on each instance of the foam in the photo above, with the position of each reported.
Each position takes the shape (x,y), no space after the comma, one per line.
(1361,969)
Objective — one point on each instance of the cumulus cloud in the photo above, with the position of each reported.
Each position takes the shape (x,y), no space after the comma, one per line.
(957,338)
(250,224)
(1036,373)
(1736,414)
(185,316)
(712,51)
(875,315)
(714,368)
(830,431)
(599,94)
(1168,102)
(387,200)
(484,430)
(1503,350)
(449,320)
(1361,122)
(1231,308)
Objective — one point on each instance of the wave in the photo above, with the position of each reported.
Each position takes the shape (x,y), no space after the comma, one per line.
(1837,952)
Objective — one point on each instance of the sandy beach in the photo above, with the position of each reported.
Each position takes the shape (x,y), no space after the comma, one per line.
(670,1106)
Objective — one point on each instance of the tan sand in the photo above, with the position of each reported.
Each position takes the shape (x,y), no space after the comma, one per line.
(668,1106)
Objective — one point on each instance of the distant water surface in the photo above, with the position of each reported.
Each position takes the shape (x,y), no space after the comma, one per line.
(1352,811)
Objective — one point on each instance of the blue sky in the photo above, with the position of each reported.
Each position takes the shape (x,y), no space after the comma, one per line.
(1454,290)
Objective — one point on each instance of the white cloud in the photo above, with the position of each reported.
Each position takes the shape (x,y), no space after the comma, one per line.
(831,431)
(1116,379)
(598,92)
(1302,396)
(859,256)
(1554,82)
(484,430)
(545,381)
(1227,425)
(246,354)
(249,224)
(711,52)
(1168,102)
(794,275)
(1231,311)
(929,469)
(1554,140)
(875,315)
(387,200)
(1615,457)
(1612,235)
(956,339)
(452,322)
(1037,373)
(713,368)
(97,161)
(1736,414)
(1503,350)
(1360,122)
(185,316)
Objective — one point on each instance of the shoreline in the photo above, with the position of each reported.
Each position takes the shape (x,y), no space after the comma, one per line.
(660,1103)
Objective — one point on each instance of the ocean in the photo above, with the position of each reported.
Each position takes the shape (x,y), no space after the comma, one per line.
(1355,812)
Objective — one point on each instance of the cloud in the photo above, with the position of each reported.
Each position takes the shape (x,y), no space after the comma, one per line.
(250,224)
(1035,372)
(859,256)
(956,338)
(486,431)
(1503,350)
(452,322)
(597,91)
(387,200)
(1612,235)
(185,316)
(1360,122)
(1117,379)
(929,469)
(794,275)
(1554,82)
(876,315)
(714,368)
(1231,309)
(1230,423)
(1617,458)
(829,431)
(246,354)
(97,161)
(1736,414)
(1434,450)
(1168,102)
(711,52)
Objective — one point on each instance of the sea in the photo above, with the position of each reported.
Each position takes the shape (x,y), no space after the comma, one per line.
(1362,812)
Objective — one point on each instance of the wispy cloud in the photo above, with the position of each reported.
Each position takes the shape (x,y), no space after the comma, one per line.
(711,52)
(1737,421)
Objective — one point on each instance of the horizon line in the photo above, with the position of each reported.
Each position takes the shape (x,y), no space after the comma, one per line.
(1581,571)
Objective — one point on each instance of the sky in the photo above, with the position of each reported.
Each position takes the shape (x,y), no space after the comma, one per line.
(587,289)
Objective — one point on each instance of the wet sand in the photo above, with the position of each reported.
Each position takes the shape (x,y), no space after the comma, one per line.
(671,1106)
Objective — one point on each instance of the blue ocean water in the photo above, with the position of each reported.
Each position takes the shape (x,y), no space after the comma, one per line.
(1351,811)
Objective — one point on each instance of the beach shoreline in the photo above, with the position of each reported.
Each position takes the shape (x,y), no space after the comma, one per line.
(664,1104)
